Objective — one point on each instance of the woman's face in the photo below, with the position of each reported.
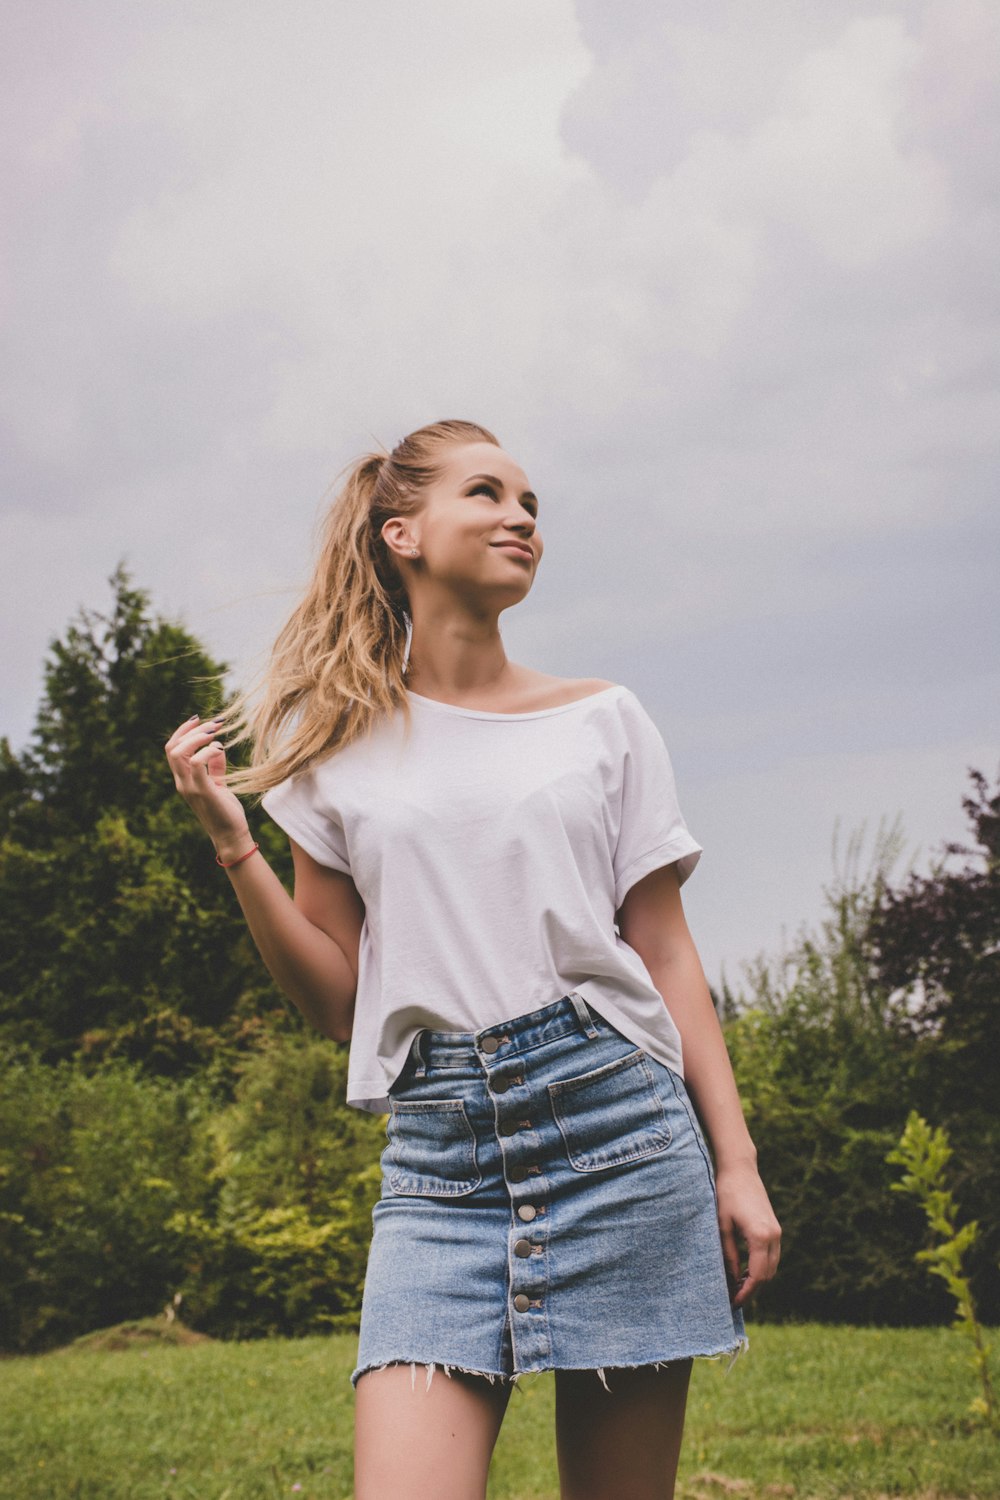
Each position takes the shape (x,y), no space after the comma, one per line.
(477,529)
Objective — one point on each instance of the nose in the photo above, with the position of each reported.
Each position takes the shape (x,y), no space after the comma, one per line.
(521,521)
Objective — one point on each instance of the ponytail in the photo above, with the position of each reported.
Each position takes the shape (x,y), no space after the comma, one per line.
(337,665)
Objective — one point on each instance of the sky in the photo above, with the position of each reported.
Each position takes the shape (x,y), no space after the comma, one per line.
(722,279)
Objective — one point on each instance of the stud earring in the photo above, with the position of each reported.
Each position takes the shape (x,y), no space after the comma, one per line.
(413,551)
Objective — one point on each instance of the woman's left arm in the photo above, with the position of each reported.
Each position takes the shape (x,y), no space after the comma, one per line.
(652,921)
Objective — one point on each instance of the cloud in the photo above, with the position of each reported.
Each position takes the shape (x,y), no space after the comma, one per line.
(722,277)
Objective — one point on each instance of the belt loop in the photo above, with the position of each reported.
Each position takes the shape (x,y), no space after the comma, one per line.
(583,1014)
(417,1054)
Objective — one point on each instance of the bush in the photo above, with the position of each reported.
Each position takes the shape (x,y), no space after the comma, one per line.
(297,1174)
(118,1190)
(825,1074)
(93,1167)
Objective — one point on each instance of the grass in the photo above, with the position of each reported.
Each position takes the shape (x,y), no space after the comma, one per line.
(810,1411)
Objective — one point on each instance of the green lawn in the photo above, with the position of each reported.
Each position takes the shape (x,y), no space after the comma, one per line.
(809,1411)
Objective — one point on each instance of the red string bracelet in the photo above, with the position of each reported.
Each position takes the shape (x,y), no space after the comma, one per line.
(239,861)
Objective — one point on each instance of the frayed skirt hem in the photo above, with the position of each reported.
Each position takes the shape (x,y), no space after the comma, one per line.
(733,1352)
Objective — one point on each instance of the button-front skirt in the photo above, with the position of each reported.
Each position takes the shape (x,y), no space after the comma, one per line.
(547,1202)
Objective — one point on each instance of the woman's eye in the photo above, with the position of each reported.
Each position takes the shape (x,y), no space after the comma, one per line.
(488,489)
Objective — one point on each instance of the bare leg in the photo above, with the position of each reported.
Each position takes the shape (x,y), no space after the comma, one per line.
(623,1443)
(412,1442)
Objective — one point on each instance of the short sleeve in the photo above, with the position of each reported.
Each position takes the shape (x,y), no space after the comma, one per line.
(652,831)
(297,806)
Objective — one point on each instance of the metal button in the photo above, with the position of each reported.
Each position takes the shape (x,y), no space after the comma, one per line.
(522,1248)
(507,1127)
(500,1085)
(517,1174)
(521,1302)
(490,1043)
(527,1211)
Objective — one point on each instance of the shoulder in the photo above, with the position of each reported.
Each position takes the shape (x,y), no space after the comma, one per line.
(580,687)
(540,689)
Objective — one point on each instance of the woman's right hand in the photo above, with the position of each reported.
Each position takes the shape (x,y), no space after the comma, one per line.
(198,762)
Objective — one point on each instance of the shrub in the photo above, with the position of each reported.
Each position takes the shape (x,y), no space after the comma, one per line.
(93,1166)
(297,1176)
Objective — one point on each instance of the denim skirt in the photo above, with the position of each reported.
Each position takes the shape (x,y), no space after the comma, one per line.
(547,1203)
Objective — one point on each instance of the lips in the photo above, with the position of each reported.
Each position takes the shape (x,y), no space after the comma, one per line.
(516,546)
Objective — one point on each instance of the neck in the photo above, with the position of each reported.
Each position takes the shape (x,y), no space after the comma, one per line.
(457,665)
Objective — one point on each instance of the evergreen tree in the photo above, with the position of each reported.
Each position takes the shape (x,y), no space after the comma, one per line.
(118,932)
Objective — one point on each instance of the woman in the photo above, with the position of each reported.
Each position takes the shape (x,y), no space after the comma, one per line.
(466,833)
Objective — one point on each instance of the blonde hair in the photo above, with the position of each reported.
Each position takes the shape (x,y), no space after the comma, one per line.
(337,663)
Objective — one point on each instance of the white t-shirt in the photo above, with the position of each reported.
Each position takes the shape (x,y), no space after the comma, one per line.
(492,852)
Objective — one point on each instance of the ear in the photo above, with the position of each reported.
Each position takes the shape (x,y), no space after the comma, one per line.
(396,535)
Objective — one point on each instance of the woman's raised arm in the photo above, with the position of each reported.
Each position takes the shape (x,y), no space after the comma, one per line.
(313,959)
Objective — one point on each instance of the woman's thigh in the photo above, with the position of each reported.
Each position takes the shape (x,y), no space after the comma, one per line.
(419,1441)
(624,1441)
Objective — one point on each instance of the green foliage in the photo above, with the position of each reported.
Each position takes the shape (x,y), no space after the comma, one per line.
(249,1187)
(297,1175)
(281,1273)
(114,688)
(119,1191)
(118,934)
(936,942)
(289,1139)
(823,1074)
(93,1166)
(924,1153)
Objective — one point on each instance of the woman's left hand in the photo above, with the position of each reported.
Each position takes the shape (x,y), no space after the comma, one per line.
(748,1227)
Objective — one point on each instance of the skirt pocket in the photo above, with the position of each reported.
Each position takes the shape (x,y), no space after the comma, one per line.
(432,1148)
(612,1115)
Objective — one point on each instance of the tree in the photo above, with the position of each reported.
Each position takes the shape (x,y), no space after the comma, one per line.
(938,941)
(890,1006)
(935,943)
(824,1076)
(117,932)
(114,688)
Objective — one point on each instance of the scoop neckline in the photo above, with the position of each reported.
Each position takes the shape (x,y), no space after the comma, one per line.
(534,713)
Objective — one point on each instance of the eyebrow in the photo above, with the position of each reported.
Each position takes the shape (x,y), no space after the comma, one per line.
(527,495)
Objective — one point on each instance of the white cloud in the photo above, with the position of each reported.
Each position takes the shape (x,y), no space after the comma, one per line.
(722,278)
